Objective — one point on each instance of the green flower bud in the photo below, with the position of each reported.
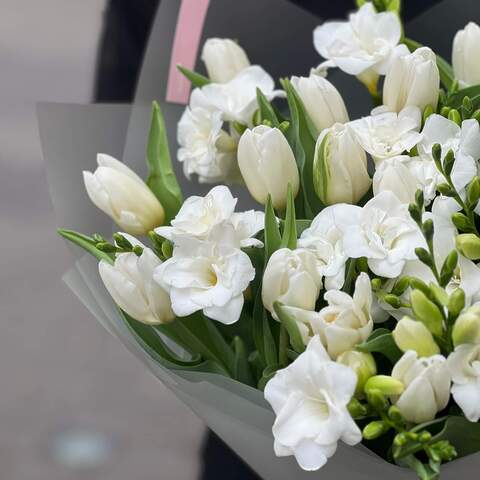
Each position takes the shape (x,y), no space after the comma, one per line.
(476,115)
(462,222)
(376,284)
(375,429)
(393,300)
(394,414)
(356,409)
(445,189)
(363,364)
(473,191)
(445,111)
(454,116)
(427,312)
(428,110)
(467,327)
(401,285)
(385,384)
(469,245)
(448,162)
(456,302)
(413,335)
(377,400)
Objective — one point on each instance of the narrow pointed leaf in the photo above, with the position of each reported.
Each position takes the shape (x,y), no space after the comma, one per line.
(289,237)
(291,326)
(266,109)
(85,242)
(196,79)
(273,239)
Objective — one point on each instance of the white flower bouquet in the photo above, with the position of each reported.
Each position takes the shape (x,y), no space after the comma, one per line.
(351,302)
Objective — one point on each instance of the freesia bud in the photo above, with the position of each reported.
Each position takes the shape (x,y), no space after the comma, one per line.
(363,364)
(385,384)
(469,245)
(322,101)
(466,49)
(267,165)
(340,167)
(130,283)
(412,80)
(120,193)
(291,278)
(427,312)
(414,335)
(467,327)
(223,59)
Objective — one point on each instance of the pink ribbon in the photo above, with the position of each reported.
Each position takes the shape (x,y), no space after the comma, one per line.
(191,18)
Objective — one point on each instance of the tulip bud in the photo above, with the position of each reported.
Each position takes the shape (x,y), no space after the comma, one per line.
(467,327)
(267,165)
(121,193)
(387,385)
(412,80)
(291,278)
(340,167)
(468,245)
(223,59)
(466,49)
(363,364)
(427,312)
(130,283)
(413,335)
(322,101)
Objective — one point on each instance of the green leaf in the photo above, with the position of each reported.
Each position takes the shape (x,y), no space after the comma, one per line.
(196,79)
(289,237)
(462,434)
(394,6)
(447,76)
(161,176)
(423,471)
(302,137)
(242,371)
(266,109)
(291,326)
(85,242)
(262,334)
(302,225)
(384,344)
(455,100)
(273,239)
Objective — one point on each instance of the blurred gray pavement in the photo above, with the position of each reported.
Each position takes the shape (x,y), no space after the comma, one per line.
(74,404)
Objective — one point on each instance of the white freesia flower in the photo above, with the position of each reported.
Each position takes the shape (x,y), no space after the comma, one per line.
(223,58)
(206,275)
(324,239)
(364,45)
(404,175)
(291,277)
(205,148)
(382,231)
(412,80)
(464,141)
(344,323)
(466,49)
(236,99)
(268,165)
(121,193)
(387,134)
(340,166)
(130,283)
(427,386)
(199,215)
(323,102)
(310,399)
(464,365)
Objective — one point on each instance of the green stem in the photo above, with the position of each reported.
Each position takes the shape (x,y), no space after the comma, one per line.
(282,346)
(351,270)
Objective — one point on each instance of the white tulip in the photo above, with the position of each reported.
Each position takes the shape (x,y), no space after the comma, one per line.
(291,278)
(382,231)
(130,283)
(198,216)
(205,148)
(364,45)
(341,325)
(310,399)
(236,99)
(387,134)
(340,166)
(414,335)
(466,49)
(268,165)
(209,276)
(223,59)
(322,101)
(121,193)
(427,386)
(464,141)
(412,80)
(324,239)
(464,365)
